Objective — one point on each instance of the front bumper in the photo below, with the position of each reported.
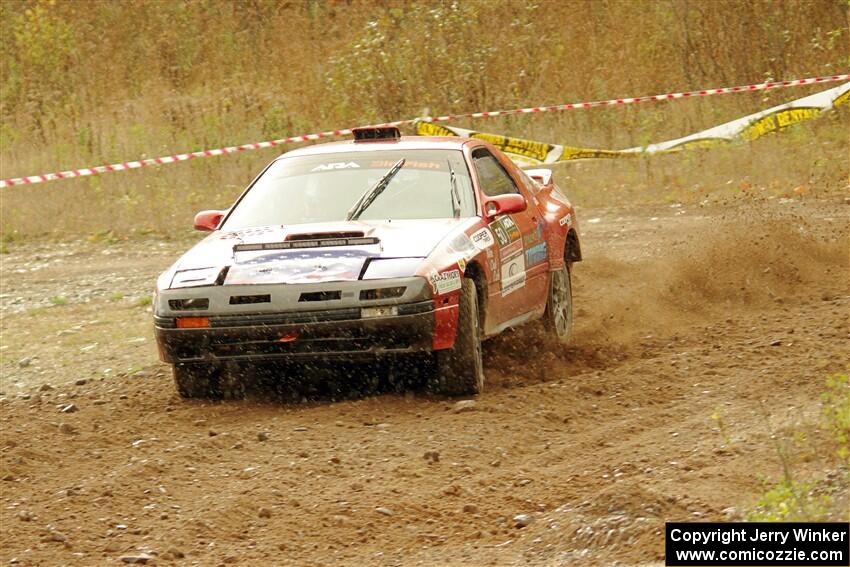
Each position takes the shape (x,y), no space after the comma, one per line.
(338,333)
(283,329)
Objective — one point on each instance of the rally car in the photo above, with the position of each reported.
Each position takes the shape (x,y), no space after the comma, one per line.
(383,246)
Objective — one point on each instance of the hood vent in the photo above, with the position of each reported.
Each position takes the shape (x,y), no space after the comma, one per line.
(311,243)
(323,235)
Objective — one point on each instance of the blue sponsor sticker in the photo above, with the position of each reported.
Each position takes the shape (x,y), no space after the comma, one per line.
(535,254)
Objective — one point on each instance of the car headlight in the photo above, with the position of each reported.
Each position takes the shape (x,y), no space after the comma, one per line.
(194,278)
(380,268)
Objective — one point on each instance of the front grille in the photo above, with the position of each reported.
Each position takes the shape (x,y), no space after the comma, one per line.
(290,318)
(346,342)
(249,299)
(320,296)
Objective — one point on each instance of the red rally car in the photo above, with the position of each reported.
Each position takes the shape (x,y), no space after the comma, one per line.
(384,246)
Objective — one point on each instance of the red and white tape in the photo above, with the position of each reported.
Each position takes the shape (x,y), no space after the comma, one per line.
(333,133)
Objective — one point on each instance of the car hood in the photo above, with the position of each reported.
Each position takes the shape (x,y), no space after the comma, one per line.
(205,263)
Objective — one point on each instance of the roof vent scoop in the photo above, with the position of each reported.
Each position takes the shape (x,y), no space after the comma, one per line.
(377,134)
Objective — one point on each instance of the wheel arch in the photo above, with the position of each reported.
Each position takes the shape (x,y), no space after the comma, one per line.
(572,247)
(475,272)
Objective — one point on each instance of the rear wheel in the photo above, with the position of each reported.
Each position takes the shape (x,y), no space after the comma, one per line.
(558,317)
(460,369)
(197,380)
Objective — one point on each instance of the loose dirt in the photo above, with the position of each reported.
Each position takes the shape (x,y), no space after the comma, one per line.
(701,334)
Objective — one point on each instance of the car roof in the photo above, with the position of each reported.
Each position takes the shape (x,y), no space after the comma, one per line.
(403,143)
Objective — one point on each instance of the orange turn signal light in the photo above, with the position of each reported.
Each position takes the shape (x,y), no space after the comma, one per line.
(193,322)
(288,338)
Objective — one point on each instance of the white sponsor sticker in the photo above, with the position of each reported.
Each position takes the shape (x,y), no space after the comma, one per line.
(513,272)
(446,281)
(482,239)
(336,165)
(567,220)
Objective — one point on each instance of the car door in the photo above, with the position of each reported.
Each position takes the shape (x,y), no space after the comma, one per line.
(521,245)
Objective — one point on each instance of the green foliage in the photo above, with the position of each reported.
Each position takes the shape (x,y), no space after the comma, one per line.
(432,55)
(58,300)
(836,413)
(789,501)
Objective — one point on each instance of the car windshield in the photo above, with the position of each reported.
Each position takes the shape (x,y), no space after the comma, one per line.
(322,188)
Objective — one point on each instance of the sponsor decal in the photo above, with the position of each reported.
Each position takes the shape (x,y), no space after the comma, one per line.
(298,266)
(482,239)
(336,165)
(536,254)
(493,265)
(461,264)
(506,230)
(513,272)
(535,236)
(446,282)
(409,164)
(567,220)
(510,249)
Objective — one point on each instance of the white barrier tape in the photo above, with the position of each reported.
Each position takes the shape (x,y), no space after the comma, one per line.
(534,153)
(32,179)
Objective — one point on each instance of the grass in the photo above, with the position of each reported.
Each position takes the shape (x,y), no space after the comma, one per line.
(121,81)
(821,499)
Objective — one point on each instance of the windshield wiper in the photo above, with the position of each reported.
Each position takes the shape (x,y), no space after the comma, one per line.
(455,194)
(369,196)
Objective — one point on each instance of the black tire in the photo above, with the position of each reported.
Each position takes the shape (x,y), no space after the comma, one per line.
(558,317)
(460,369)
(197,380)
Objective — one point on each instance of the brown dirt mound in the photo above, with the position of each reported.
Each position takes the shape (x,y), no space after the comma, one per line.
(718,270)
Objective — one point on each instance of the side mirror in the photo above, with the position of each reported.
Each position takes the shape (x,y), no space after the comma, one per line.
(208,220)
(505,204)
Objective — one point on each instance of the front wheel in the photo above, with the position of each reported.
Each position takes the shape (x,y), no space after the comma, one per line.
(460,369)
(558,317)
(197,380)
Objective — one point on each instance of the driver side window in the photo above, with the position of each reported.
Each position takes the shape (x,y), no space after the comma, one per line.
(492,176)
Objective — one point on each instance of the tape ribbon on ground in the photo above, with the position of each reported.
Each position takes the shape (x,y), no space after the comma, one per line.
(527,148)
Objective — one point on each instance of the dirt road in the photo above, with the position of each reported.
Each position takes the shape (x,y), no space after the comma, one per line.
(701,334)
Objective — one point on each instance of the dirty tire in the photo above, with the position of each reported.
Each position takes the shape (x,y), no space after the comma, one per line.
(197,381)
(558,317)
(460,369)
